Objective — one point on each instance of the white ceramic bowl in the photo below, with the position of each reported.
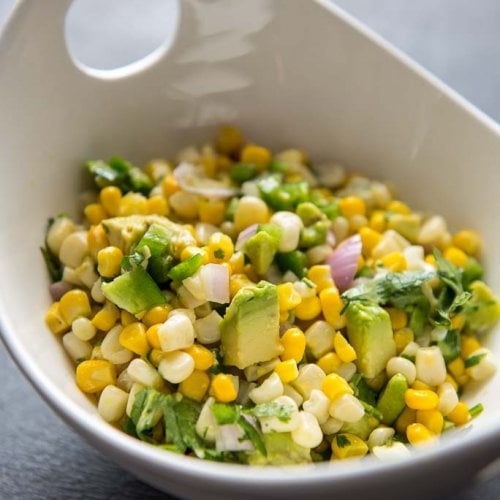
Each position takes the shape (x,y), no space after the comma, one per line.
(289,73)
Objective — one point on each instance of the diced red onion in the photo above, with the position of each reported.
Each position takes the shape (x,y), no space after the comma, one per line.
(343,262)
(244,236)
(59,288)
(215,279)
(230,438)
(189,179)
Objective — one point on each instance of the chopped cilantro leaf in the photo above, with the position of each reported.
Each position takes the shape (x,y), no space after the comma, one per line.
(474,360)
(342,440)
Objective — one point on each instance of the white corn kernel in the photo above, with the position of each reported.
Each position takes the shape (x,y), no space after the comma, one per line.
(381,194)
(289,391)
(274,424)
(331,426)
(250,188)
(432,230)
(188,299)
(58,232)
(176,366)
(304,290)
(83,328)
(112,403)
(270,389)
(431,368)
(391,241)
(308,433)
(206,425)
(176,333)
(331,175)
(346,370)
(86,272)
(73,249)
(194,286)
(380,436)
(318,254)
(136,387)
(310,377)
(486,366)
(111,348)
(319,338)
(291,225)
(410,351)
(207,328)
(393,452)
(340,228)
(96,291)
(414,255)
(124,381)
(403,366)
(318,404)
(346,408)
(185,311)
(203,232)
(250,210)
(184,204)
(77,349)
(144,373)
(448,398)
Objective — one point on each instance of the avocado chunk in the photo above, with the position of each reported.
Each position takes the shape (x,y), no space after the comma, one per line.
(134,291)
(484,309)
(370,333)
(362,428)
(391,401)
(281,450)
(124,232)
(260,249)
(408,225)
(250,328)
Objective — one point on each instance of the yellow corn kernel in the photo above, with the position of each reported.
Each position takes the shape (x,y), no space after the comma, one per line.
(406,418)
(458,321)
(451,381)
(294,344)
(109,261)
(73,304)
(155,315)
(195,386)
(468,241)
(460,414)
(133,337)
(455,256)
(329,362)
(288,297)
(284,316)
(223,388)
(237,263)
(110,198)
(430,259)
(54,319)
(208,161)
(394,261)
(155,356)
(95,213)
(97,239)
(352,205)
(157,205)
(309,308)
(432,419)
(421,399)
(377,221)
(369,238)
(456,368)
(203,358)
(321,276)
(402,338)
(94,375)
(152,336)
(468,345)
(133,204)
(169,186)
(334,386)
(220,248)
(250,272)
(399,319)
(106,318)
(237,282)
(229,140)
(332,305)
(212,211)
(126,318)
(418,385)
(287,370)
(257,155)
(398,207)
(189,251)
(348,445)
(250,210)
(344,350)
(418,434)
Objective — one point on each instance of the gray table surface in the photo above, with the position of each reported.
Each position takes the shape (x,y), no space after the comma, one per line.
(458,40)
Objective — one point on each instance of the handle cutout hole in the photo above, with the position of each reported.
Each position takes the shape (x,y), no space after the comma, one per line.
(105,36)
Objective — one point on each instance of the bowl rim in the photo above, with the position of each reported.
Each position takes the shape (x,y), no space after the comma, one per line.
(107,438)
